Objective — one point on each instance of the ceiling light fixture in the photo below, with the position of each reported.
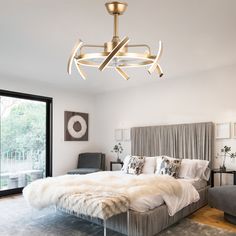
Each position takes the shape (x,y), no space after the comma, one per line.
(115,54)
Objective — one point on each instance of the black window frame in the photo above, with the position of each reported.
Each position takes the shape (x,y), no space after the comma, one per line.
(49,119)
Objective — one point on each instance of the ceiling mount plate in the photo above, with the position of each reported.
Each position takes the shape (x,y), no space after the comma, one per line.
(116,8)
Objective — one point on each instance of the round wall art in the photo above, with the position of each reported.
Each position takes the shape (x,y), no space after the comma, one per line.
(76,126)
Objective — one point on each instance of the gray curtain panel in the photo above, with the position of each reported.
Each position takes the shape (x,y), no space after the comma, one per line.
(191,141)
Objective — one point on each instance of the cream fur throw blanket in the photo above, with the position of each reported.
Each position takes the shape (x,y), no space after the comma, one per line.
(176,194)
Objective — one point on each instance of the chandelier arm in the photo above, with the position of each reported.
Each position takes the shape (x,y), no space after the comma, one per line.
(159,70)
(73,54)
(122,73)
(78,67)
(90,46)
(155,63)
(140,45)
(113,53)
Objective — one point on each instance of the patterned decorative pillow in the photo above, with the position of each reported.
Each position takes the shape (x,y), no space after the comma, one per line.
(135,165)
(170,166)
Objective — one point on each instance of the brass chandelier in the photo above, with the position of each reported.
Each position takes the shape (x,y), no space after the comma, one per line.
(115,54)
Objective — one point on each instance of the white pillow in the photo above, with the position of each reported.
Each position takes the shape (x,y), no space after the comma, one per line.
(207,173)
(203,170)
(188,169)
(149,165)
(126,163)
(194,169)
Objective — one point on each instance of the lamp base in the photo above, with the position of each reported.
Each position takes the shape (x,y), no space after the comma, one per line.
(222,168)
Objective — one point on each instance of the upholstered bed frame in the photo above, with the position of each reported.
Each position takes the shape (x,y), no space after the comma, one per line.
(151,222)
(192,141)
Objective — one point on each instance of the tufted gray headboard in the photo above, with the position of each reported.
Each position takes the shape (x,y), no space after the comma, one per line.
(191,141)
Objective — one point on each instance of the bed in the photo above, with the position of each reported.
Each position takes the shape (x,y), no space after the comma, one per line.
(153,221)
(188,141)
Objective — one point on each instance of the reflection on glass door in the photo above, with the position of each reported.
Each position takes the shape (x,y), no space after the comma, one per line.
(23,135)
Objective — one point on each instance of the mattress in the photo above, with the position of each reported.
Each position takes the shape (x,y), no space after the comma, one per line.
(197,183)
(150,202)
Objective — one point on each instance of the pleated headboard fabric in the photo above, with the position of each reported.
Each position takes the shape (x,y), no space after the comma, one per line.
(191,141)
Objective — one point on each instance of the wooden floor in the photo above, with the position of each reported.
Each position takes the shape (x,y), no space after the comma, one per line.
(212,217)
(13,196)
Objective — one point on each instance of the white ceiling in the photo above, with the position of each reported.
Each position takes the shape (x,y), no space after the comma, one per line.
(36,38)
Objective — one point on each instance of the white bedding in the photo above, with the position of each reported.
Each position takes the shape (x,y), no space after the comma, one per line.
(149,202)
(144,191)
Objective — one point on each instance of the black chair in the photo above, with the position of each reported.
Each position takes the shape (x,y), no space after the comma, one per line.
(89,163)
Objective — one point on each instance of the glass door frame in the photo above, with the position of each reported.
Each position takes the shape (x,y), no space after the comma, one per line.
(49,115)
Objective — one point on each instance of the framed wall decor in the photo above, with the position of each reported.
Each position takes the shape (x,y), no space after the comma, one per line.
(234,130)
(126,134)
(118,134)
(76,126)
(222,130)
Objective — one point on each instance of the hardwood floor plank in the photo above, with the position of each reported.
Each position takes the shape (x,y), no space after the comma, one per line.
(213,217)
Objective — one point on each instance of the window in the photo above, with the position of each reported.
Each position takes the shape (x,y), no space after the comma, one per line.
(25,140)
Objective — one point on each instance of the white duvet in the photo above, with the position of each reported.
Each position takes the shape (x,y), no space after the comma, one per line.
(144,191)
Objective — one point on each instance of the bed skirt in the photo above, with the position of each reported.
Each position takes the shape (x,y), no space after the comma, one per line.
(152,222)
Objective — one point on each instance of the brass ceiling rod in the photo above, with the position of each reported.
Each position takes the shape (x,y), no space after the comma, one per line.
(116,9)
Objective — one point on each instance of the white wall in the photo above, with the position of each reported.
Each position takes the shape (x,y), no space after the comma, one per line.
(209,96)
(64,153)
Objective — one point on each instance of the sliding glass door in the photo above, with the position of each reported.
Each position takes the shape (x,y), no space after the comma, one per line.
(25,140)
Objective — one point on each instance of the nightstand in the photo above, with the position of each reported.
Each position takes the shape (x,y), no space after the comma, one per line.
(115,163)
(221,172)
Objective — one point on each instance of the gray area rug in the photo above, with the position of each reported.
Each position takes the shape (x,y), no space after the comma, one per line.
(17,218)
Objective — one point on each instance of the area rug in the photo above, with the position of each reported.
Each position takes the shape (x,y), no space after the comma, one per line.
(17,218)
